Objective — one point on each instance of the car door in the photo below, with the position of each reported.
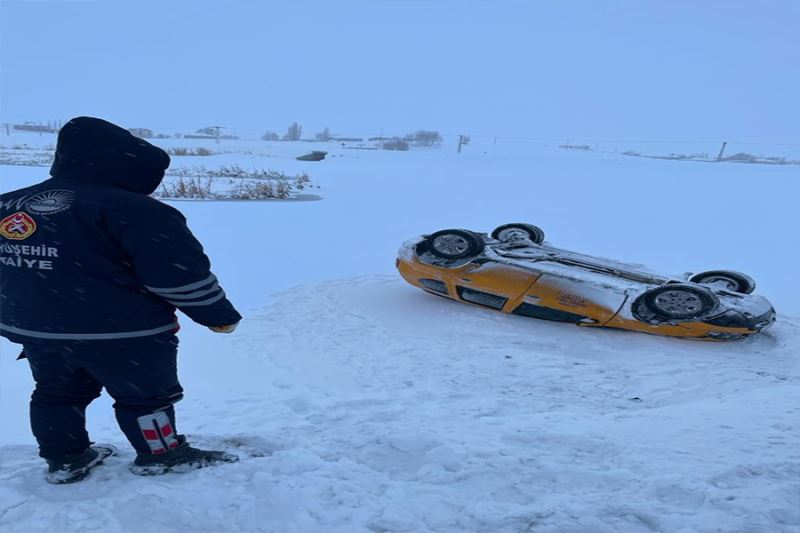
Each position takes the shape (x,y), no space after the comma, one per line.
(567,294)
(495,285)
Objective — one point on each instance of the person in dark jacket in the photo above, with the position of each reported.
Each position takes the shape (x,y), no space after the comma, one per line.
(92,270)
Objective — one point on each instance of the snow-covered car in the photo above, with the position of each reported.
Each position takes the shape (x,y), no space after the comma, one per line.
(514,271)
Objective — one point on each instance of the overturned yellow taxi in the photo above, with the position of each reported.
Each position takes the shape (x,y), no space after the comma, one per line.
(514,271)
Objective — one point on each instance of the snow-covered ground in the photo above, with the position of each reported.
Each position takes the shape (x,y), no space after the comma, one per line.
(359,403)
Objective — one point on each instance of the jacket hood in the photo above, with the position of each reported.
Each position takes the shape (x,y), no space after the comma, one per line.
(93,150)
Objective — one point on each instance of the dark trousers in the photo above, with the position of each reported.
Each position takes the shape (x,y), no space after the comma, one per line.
(141,376)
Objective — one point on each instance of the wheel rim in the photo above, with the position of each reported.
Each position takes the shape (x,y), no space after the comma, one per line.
(723,282)
(677,302)
(451,244)
(513,234)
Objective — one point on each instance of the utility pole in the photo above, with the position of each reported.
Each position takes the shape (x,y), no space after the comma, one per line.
(462,140)
(217,135)
(721,151)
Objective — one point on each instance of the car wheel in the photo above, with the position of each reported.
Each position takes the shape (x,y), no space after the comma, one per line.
(726,279)
(513,232)
(680,301)
(454,244)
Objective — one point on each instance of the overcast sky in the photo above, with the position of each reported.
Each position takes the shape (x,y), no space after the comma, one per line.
(660,70)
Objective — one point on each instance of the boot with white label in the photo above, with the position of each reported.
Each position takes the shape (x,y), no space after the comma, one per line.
(182,458)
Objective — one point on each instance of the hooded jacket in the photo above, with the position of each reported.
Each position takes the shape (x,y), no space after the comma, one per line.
(87,255)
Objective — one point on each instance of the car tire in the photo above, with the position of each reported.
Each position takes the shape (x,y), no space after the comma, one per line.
(680,301)
(726,279)
(535,233)
(454,244)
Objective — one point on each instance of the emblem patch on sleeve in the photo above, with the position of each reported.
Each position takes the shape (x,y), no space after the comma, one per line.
(17,227)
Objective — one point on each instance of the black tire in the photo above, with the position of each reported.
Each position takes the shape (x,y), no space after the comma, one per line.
(727,279)
(535,233)
(680,301)
(455,244)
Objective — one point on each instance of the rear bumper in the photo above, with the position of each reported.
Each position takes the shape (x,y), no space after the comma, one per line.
(736,318)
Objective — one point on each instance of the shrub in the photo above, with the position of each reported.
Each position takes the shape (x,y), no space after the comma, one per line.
(233,171)
(425,138)
(395,143)
(263,190)
(180,151)
(187,188)
(301,181)
(270,136)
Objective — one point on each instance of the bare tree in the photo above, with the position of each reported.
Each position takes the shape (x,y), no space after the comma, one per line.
(294,132)
(324,135)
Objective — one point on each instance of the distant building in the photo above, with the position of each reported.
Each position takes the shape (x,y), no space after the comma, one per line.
(142,133)
(212,137)
(39,128)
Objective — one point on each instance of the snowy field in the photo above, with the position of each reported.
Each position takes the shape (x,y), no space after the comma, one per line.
(361,404)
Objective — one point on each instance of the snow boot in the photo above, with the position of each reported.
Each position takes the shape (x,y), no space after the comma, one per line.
(78,467)
(183,458)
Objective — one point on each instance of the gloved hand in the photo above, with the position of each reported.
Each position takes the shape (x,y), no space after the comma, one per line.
(224,329)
